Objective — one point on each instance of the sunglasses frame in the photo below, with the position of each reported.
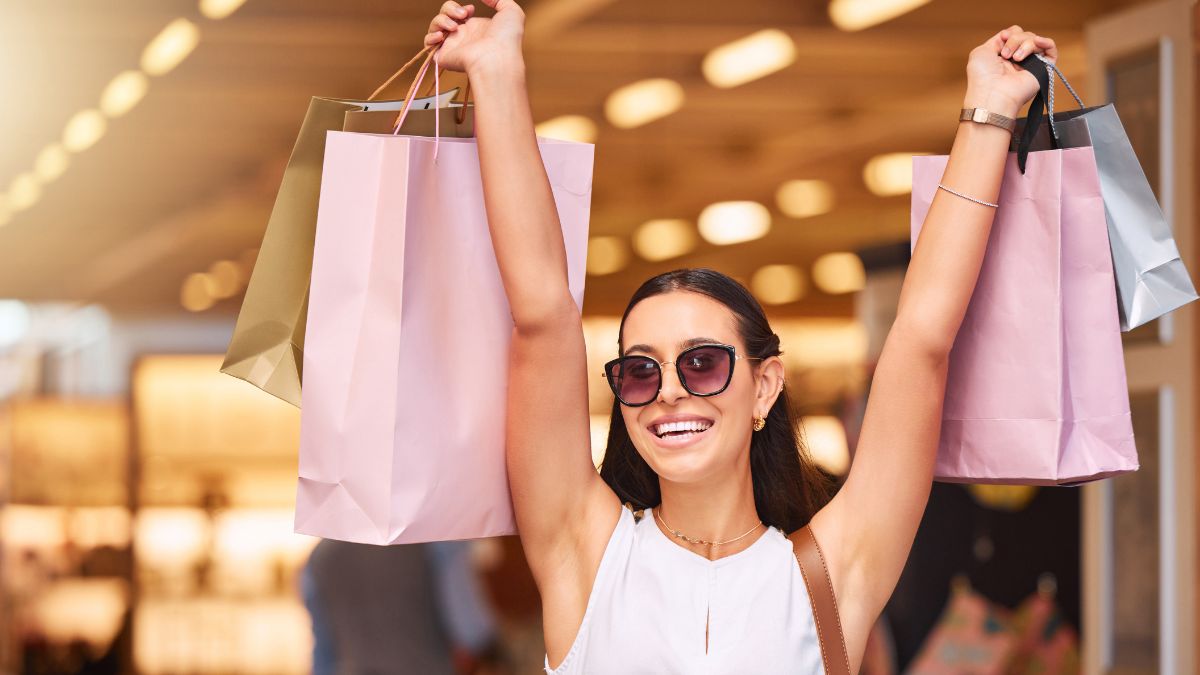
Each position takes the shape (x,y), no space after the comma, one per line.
(729,349)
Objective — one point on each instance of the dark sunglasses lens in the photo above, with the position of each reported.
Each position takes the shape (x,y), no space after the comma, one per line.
(706,370)
(634,379)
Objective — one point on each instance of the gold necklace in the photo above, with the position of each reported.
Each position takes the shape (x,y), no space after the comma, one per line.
(701,542)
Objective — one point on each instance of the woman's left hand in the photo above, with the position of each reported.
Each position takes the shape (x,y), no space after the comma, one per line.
(994,81)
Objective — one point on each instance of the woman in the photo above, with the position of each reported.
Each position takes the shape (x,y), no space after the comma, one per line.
(701,437)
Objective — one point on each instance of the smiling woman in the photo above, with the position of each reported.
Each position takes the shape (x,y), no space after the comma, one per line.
(787,488)
(700,431)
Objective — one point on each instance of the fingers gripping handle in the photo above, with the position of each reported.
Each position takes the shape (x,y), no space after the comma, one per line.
(1042,104)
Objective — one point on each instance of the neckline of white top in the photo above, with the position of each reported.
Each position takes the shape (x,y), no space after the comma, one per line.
(692,555)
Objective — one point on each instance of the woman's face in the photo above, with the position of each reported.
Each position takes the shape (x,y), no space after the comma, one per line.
(663,325)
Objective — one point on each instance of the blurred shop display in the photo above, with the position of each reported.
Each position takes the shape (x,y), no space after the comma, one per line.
(216,561)
(65,527)
(976,637)
(979,556)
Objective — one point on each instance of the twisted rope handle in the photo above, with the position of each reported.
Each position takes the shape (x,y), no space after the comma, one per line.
(1050,93)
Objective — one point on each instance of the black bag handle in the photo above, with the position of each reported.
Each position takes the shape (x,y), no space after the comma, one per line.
(1037,108)
(1044,72)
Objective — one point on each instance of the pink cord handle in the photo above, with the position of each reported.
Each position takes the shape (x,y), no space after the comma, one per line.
(437,91)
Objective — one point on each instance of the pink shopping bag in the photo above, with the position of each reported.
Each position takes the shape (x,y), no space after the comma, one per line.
(1036,393)
(406,351)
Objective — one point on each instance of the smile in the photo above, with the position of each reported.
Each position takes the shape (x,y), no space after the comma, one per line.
(687,428)
(680,433)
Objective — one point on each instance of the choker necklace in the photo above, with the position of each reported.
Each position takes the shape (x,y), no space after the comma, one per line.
(701,542)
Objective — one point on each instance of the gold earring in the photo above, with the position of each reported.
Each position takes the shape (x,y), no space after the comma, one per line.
(759,423)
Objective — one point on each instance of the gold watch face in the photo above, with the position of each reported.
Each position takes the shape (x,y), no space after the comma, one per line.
(980,115)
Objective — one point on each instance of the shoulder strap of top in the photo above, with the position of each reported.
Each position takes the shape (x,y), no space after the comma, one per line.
(824,602)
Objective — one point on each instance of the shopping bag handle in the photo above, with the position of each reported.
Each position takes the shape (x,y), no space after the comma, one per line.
(398,73)
(461,115)
(1042,105)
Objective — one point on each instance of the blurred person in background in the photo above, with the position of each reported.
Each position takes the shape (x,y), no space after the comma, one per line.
(416,608)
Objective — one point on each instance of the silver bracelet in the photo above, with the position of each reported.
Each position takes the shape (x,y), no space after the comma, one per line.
(970,199)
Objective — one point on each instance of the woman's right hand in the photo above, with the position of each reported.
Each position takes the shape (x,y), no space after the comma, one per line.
(466,41)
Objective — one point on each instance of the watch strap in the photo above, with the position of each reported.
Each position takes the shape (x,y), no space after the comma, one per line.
(987,117)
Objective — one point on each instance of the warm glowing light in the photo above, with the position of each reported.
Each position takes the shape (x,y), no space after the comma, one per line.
(227,278)
(822,343)
(170,537)
(642,102)
(889,175)
(170,47)
(825,438)
(24,192)
(850,15)
(83,130)
(606,255)
(123,93)
(219,9)
(51,163)
(805,198)
(778,284)
(24,526)
(100,526)
(199,292)
(837,273)
(749,58)
(664,239)
(734,222)
(569,128)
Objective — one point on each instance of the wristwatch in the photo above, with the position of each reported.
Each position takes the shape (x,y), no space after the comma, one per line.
(981,116)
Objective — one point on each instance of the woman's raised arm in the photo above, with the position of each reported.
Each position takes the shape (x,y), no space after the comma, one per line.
(869,527)
(564,510)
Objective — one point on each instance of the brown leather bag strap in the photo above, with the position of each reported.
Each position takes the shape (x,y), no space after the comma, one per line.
(824,601)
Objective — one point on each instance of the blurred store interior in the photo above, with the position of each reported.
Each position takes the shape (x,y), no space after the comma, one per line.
(146,500)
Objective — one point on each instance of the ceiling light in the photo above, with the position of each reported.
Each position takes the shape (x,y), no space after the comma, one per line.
(569,128)
(219,9)
(198,292)
(778,284)
(825,438)
(227,278)
(889,175)
(170,47)
(83,130)
(734,222)
(24,192)
(606,255)
(837,273)
(123,93)
(853,15)
(664,239)
(749,58)
(805,198)
(51,163)
(641,102)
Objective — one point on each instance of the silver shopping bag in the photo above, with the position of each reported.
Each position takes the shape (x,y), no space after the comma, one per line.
(1151,278)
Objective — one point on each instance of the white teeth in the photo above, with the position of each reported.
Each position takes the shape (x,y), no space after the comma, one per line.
(689,425)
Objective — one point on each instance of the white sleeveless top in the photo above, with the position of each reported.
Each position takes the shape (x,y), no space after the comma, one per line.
(651,598)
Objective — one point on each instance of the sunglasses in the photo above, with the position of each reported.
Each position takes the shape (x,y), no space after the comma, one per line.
(704,370)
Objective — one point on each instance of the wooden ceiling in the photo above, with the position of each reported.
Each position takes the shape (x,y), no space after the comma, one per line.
(189,176)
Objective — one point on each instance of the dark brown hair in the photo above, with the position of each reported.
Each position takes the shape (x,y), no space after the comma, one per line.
(788,486)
